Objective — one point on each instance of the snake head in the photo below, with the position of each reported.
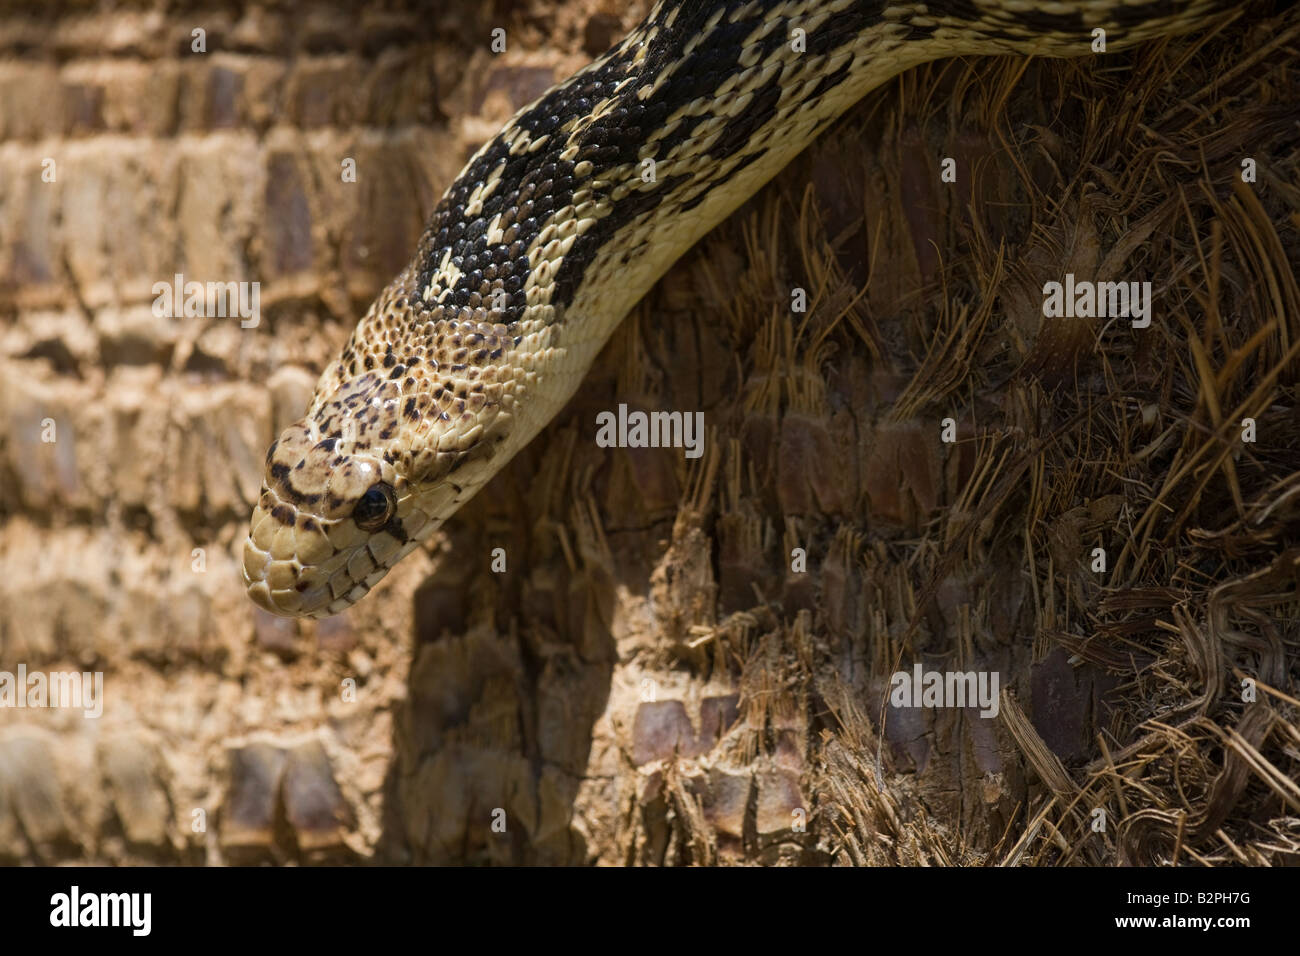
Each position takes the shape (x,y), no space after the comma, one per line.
(330,521)
(337,507)
(354,487)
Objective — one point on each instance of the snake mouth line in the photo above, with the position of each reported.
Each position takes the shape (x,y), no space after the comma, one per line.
(260,593)
(292,571)
(299,564)
(329,594)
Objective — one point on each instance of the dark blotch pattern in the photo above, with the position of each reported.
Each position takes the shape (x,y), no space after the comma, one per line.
(540,182)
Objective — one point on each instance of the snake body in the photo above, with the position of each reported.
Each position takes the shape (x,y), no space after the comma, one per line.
(559,224)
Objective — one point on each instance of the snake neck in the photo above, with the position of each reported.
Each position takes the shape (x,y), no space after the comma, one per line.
(560,223)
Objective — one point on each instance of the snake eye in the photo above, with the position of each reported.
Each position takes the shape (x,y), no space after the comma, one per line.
(375,507)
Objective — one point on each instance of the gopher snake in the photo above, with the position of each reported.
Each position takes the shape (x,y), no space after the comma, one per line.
(559,224)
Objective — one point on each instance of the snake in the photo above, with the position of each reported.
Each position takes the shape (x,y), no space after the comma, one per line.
(560,223)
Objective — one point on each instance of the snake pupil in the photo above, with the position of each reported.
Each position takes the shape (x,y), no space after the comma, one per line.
(375,507)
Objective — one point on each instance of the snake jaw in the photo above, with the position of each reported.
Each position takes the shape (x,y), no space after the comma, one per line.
(323,571)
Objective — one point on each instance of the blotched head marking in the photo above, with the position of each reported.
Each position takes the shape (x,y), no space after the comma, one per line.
(337,507)
(358,483)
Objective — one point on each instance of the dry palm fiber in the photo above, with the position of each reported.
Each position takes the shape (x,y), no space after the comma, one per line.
(1122,689)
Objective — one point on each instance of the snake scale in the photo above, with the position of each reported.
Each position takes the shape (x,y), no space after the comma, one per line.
(560,223)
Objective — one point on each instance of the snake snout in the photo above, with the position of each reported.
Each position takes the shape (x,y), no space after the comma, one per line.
(286,559)
(284,586)
(298,564)
(272,584)
(322,526)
